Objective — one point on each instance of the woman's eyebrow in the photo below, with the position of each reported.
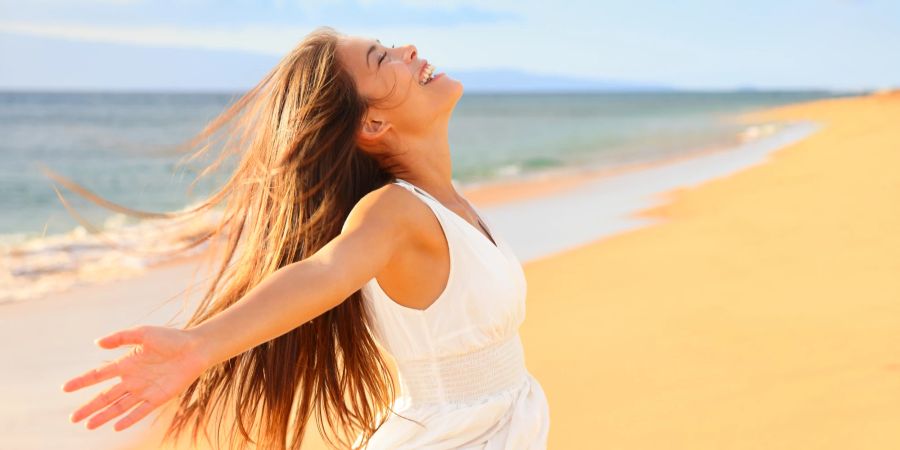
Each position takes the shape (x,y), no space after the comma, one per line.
(371,49)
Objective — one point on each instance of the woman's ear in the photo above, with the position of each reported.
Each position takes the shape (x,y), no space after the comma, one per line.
(373,130)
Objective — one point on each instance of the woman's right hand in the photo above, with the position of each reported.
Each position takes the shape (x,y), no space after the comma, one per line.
(161,364)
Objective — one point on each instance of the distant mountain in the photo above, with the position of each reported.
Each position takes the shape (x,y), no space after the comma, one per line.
(512,80)
(39,63)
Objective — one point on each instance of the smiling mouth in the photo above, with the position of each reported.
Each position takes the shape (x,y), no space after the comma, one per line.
(427,74)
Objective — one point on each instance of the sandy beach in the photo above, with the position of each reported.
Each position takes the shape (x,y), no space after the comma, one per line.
(753,310)
(763,313)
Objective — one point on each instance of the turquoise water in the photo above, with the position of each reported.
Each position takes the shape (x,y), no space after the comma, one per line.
(118,146)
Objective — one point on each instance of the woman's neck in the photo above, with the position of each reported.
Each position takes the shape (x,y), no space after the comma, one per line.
(425,162)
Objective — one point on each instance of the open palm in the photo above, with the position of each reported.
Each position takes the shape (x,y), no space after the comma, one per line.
(161,364)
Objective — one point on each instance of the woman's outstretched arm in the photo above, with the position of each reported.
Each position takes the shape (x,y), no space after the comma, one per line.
(164,361)
(301,291)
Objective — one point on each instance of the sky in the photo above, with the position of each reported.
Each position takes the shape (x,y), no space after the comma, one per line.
(763,44)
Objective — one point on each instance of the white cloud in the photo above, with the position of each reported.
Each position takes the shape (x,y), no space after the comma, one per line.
(258,39)
(82,2)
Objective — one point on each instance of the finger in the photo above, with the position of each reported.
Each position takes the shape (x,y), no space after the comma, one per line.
(100,401)
(132,336)
(121,405)
(92,377)
(136,414)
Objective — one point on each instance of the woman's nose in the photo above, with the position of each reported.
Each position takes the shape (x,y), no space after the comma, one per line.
(410,53)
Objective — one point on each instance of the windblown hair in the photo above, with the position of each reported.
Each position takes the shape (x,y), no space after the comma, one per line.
(299,174)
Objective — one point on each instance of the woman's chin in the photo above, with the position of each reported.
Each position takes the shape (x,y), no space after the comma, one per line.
(458,84)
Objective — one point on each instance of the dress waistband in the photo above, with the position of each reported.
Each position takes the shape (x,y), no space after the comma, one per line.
(462,378)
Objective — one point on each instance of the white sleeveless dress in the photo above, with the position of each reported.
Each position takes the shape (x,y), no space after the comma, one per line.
(460,362)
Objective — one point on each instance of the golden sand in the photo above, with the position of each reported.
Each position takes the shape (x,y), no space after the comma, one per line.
(764,313)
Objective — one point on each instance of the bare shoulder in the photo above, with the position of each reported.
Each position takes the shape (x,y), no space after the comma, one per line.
(391,209)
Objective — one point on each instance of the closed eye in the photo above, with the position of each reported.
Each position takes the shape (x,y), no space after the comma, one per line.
(384,55)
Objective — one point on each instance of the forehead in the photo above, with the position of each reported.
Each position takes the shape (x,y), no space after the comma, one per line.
(354,51)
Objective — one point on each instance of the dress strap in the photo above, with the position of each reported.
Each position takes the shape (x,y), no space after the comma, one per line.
(481,223)
(403,182)
(437,207)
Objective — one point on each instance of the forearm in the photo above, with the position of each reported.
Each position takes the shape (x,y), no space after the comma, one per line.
(286,299)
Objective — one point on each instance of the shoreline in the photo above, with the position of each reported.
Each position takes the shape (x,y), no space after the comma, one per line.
(599,208)
(540,184)
(484,194)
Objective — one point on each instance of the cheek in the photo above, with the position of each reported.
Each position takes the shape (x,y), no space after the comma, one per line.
(389,86)
(402,74)
(403,87)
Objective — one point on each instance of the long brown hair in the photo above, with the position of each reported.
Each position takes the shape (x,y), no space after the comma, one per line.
(299,174)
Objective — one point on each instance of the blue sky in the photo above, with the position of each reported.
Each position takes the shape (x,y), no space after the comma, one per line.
(832,44)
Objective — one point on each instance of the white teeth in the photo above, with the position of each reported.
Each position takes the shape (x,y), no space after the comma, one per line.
(426,74)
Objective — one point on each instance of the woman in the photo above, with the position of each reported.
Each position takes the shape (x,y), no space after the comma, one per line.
(346,235)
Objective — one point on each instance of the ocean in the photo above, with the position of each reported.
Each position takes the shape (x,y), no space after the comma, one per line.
(119,146)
